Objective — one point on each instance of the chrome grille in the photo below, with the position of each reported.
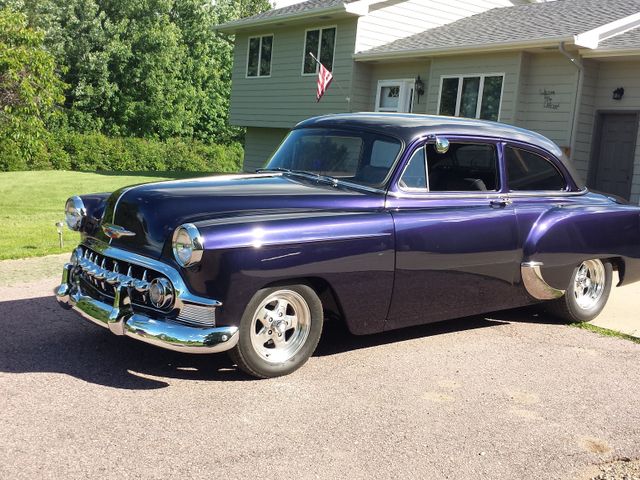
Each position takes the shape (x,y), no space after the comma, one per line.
(104,274)
(197,314)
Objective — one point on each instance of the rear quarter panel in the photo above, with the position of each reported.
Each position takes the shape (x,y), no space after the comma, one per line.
(563,232)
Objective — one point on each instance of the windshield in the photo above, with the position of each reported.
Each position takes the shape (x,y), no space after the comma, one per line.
(359,157)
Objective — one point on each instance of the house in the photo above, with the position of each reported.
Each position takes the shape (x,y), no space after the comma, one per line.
(569,69)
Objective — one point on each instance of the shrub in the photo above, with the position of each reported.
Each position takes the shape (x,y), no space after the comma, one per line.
(94,151)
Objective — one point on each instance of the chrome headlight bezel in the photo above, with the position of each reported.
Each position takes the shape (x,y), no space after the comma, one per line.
(74,213)
(187,245)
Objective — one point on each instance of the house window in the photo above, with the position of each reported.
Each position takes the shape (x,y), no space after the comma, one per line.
(259,56)
(472,96)
(321,43)
(394,96)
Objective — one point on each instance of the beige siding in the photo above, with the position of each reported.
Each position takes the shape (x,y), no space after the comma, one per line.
(586,116)
(259,144)
(287,97)
(392,19)
(611,75)
(507,63)
(548,95)
(399,71)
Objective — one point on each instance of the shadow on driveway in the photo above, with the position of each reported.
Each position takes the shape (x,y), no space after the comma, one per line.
(39,336)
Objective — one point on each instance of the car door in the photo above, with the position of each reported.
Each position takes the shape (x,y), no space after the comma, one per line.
(456,235)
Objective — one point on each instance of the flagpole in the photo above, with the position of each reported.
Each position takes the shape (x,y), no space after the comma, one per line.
(347,98)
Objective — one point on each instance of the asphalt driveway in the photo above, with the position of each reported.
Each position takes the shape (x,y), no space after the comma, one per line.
(512,395)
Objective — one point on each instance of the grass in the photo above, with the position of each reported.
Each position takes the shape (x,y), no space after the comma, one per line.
(606,332)
(32,202)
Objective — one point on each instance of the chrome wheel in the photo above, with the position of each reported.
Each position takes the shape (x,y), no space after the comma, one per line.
(589,283)
(280,326)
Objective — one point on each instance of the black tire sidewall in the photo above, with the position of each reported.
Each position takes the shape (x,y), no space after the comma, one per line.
(253,362)
(584,315)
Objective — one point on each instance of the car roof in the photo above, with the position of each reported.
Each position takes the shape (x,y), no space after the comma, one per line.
(409,127)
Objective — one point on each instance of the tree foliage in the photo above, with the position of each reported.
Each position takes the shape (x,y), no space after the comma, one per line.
(147,68)
(29,93)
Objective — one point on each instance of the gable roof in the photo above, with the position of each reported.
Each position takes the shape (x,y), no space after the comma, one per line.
(538,23)
(625,43)
(300,10)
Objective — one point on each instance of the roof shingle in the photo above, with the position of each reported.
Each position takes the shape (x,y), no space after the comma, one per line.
(538,21)
(296,8)
(624,41)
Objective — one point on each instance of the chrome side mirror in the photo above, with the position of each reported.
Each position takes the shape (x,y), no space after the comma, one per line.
(442,145)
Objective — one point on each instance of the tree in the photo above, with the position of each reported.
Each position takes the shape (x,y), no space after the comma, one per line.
(148,68)
(30,91)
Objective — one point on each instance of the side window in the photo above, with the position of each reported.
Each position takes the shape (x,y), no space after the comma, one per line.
(465,167)
(383,153)
(528,171)
(415,175)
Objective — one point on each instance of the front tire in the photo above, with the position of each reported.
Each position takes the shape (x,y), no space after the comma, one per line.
(587,293)
(279,331)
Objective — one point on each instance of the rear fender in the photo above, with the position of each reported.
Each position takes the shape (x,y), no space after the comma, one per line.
(564,236)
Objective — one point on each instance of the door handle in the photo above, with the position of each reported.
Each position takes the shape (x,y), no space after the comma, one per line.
(501,202)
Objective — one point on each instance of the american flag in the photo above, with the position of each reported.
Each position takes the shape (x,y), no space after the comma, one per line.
(324,80)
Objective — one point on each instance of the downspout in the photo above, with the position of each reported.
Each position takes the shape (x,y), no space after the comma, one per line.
(574,124)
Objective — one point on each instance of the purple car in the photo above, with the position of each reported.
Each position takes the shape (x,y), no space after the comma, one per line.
(381,220)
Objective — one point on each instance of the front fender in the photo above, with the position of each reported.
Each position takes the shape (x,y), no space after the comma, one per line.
(352,252)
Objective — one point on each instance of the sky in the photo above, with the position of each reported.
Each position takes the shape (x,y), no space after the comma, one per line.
(284,3)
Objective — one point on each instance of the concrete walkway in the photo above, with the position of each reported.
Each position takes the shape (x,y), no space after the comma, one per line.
(621,314)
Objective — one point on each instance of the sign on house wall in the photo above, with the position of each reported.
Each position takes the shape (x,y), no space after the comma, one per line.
(549,99)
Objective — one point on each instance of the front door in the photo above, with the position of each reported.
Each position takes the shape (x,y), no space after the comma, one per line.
(612,169)
(456,240)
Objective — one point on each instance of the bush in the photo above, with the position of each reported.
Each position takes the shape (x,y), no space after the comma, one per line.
(94,151)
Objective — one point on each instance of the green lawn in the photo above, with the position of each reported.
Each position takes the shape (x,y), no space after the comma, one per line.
(32,202)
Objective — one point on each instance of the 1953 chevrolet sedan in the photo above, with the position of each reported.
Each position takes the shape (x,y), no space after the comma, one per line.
(382,220)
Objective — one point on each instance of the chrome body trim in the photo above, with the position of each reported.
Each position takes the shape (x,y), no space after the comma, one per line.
(115,206)
(535,283)
(121,317)
(426,195)
(116,231)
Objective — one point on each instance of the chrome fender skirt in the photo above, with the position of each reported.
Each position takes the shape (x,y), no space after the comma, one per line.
(535,284)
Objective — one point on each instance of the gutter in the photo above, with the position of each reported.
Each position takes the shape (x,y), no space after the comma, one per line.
(577,62)
(614,52)
(357,9)
(487,47)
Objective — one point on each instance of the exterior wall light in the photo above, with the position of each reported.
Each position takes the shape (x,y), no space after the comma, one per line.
(618,93)
(419,87)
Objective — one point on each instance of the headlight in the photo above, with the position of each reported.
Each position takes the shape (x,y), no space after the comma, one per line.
(74,212)
(188,245)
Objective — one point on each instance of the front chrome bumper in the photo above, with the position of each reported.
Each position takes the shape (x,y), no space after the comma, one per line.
(120,319)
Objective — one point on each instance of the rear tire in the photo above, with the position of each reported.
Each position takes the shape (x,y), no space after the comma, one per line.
(587,292)
(279,331)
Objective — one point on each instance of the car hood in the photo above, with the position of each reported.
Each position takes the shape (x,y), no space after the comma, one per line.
(152,211)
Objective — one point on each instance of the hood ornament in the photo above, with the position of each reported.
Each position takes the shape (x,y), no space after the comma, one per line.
(116,231)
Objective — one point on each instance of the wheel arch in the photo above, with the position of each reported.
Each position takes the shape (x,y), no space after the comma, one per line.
(322,287)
